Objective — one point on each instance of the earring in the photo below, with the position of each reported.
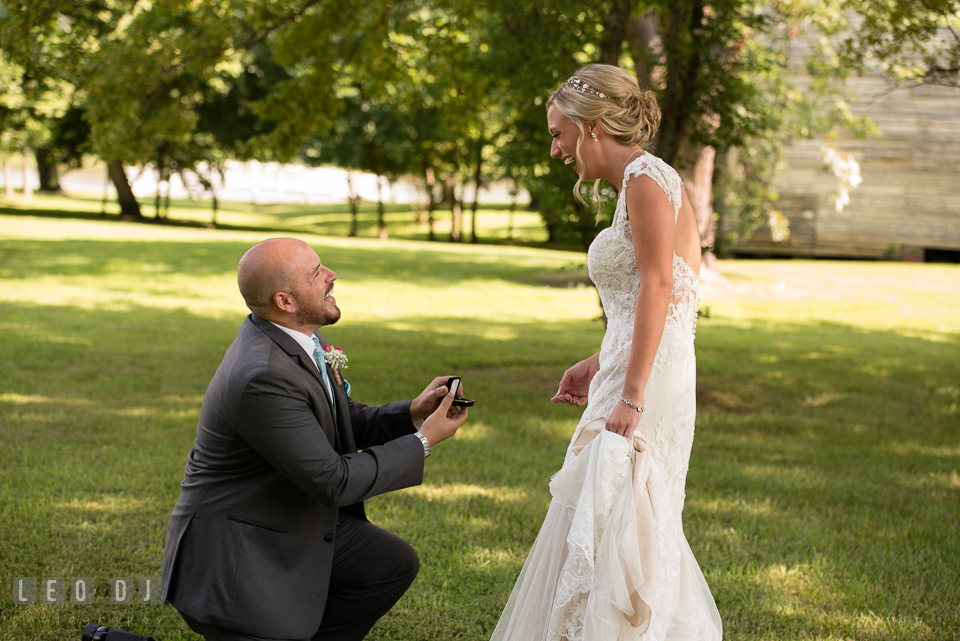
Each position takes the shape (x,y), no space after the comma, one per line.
(593,135)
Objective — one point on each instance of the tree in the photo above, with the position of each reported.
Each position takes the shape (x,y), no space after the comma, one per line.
(730,94)
(912,42)
(12,117)
(143,73)
(29,104)
(449,90)
(367,136)
(65,148)
(532,47)
(53,40)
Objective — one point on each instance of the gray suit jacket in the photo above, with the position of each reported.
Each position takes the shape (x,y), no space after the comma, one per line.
(250,541)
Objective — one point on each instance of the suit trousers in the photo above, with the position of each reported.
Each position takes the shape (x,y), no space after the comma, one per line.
(372,569)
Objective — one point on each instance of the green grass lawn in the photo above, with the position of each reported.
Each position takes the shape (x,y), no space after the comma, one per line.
(495,222)
(823,499)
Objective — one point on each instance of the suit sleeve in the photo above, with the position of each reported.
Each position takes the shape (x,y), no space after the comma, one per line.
(376,425)
(275,418)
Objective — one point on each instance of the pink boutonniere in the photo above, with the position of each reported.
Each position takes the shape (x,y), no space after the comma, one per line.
(336,359)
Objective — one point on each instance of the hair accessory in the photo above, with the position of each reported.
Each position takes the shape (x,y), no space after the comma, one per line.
(581,86)
(639,408)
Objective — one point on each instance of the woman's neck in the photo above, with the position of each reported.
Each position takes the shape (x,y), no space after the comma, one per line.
(618,157)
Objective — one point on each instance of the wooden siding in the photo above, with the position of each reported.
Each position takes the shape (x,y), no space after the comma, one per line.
(910,196)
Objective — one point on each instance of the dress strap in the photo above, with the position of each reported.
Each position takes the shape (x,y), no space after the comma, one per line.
(663,174)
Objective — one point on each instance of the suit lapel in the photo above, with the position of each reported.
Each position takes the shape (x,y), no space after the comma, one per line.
(344,426)
(293,349)
(310,366)
(345,441)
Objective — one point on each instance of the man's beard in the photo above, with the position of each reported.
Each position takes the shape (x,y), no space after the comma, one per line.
(310,313)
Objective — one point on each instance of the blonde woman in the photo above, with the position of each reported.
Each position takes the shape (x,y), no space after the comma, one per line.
(611,562)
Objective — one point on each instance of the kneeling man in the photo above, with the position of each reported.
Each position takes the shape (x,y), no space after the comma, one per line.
(269,539)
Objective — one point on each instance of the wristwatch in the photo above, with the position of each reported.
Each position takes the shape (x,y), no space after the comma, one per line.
(426,444)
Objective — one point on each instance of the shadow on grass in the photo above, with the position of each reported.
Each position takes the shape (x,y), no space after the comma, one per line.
(822,496)
(172,223)
(322,220)
(29,258)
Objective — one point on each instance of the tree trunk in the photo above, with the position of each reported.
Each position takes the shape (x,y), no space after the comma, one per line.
(514,195)
(7,180)
(27,186)
(129,207)
(420,207)
(683,64)
(353,199)
(215,207)
(698,179)
(719,205)
(456,212)
(551,230)
(380,221)
(476,193)
(587,226)
(47,168)
(106,194)
(431,205)
(615,25)
(156,204)
(703,205)
(696,165)
(645,46)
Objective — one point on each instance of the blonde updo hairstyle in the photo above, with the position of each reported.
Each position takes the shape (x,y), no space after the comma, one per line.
(626,112)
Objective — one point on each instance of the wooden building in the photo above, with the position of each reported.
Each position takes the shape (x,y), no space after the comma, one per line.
(908,205)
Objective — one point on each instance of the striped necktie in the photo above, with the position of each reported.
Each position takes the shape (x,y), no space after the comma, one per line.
(322,364)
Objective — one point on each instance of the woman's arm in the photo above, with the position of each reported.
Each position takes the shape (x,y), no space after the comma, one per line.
(652,225)
(575,383)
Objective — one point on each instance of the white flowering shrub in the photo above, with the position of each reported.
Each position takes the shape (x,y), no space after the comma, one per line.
(779,226)
(847,171)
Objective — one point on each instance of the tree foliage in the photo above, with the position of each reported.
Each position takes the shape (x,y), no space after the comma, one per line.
(913,42)
(448,91)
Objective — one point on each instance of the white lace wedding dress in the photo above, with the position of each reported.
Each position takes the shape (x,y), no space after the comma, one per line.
(611,562)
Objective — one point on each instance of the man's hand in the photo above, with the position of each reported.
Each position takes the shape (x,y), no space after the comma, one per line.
(444,422)
(429,400)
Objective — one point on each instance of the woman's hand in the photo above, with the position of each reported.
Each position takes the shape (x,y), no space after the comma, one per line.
(623,420)
(575,384)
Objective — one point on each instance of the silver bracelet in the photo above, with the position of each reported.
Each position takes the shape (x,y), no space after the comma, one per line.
(639,408)
(426,444)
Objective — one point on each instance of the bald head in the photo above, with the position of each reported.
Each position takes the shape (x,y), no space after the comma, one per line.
(267,268)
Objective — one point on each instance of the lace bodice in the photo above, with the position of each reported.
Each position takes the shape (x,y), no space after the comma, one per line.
(613,266)
(613,269)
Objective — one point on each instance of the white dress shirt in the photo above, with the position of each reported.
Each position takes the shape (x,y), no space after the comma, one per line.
(304,341)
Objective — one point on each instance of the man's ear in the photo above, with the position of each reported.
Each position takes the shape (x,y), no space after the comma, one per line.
(285,302)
